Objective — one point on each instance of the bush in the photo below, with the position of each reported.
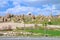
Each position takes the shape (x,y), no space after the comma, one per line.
(49,23)
(1,34)
(21,28)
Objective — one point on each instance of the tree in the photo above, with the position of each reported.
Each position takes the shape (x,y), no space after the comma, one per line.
(49,22)
(23,20)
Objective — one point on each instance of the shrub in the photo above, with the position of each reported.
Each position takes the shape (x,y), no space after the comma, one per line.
(49,23)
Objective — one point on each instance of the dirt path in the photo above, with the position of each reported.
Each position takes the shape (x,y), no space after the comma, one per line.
(14,25)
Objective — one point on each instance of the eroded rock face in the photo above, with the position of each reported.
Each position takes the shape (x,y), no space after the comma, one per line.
(7,19)
(1,19)
(59,16)
(8,16)
(33,17)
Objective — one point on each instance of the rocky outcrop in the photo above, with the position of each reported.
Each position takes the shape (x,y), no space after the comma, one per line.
(1,19)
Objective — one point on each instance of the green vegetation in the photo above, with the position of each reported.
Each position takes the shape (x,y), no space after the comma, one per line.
(35,31)
(40,31)
(48,32)
(32,19)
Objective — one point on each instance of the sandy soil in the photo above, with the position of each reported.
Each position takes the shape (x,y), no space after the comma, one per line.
(14,25)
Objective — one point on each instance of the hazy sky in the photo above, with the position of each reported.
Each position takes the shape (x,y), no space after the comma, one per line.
(34,6)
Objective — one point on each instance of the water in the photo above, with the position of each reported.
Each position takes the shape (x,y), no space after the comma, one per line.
(29,38)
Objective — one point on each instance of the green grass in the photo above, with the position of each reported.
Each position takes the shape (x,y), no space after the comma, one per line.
(42,31)
(53,32)
(49,32)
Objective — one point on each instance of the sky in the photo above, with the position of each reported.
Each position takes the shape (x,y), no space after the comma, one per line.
(36,7)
